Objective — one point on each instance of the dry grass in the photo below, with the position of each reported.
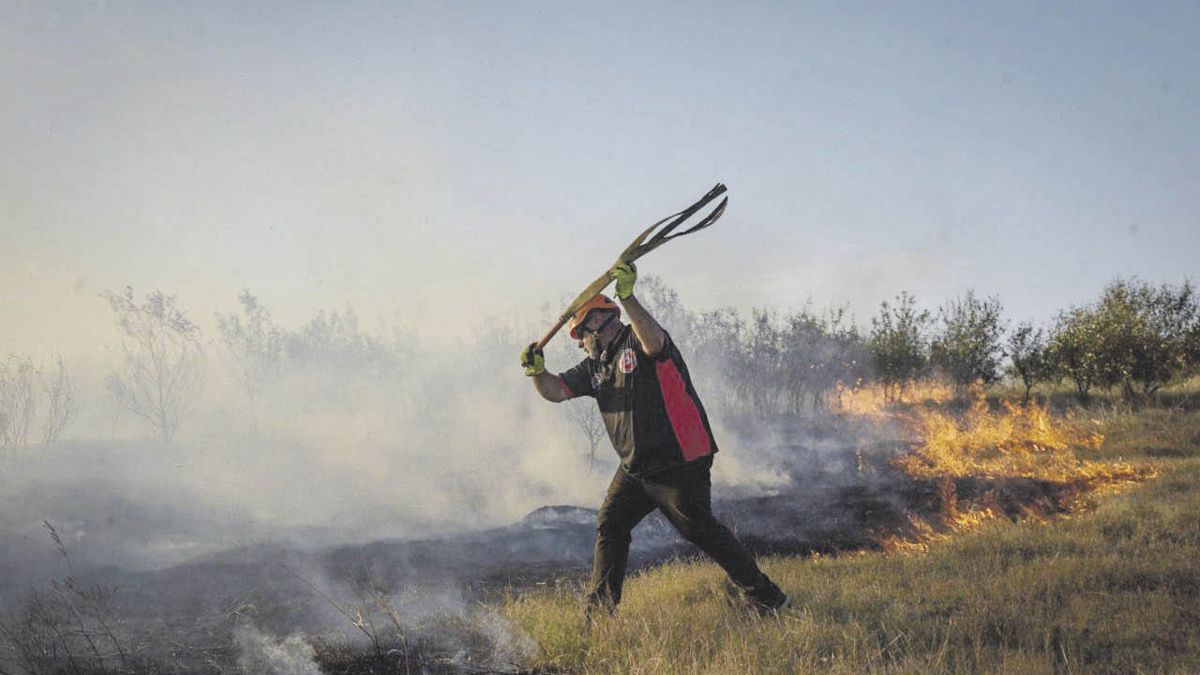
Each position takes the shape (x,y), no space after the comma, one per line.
(1016,441)
(1111,589)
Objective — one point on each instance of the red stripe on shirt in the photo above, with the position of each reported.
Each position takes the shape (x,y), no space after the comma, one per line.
(683,413)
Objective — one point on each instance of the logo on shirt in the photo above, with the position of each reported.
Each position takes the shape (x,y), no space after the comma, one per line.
(627,361)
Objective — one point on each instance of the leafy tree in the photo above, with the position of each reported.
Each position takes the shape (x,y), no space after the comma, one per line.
(898,342)
(804,358)
(762,381)
(820,351)
(770,364)
(162,369)
(255,346)
(968,347)
(1030,362)
(714,352)
(1135,334)
(1146,334)
(1075,349)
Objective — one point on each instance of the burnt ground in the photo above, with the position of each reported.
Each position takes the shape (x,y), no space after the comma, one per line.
(224,611)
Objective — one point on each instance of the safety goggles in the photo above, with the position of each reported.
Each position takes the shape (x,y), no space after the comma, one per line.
(595,323)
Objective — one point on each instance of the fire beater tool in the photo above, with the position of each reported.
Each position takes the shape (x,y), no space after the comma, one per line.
(643,244)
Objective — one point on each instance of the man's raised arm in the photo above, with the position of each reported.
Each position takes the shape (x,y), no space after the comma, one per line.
(651,335)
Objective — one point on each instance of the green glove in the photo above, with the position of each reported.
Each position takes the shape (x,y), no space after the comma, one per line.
(626,276)
(533,360)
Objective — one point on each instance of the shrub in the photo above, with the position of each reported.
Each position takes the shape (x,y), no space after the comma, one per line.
(1027,351)
(898,342)
(968,348)
(1135,334)
(162,372)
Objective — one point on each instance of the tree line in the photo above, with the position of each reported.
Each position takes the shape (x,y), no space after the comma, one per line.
(1134,339)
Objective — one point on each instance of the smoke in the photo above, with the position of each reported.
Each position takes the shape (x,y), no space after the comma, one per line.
(439,438)
(471,634)
(364,434)
(427,623)
(362,437)
(265,655)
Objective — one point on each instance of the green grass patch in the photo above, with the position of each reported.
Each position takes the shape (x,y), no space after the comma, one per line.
(1150,433)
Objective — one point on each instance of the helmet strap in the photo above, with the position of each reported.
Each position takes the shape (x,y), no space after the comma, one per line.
(607,320)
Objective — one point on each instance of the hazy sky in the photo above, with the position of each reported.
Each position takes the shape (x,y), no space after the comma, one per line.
(449,160)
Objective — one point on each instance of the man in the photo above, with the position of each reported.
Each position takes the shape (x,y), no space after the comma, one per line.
(660,431)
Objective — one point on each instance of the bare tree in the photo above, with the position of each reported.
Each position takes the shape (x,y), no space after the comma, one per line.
(162,373)
(586,415)
(18,401)
(255,344)
(60,403)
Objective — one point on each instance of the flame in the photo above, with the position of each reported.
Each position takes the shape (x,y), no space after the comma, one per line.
(1016,441)
(996,453)
(875,400)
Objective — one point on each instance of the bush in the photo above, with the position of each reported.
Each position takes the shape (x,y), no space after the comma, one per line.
(17,401)
(162,373)
(898,343)
(254,345)
(1135,334)
(1150,333)
(1075,349)
(770,364)
(1027,351)
(968,348)
(31,395)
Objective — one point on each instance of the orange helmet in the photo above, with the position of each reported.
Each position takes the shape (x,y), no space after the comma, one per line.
(599,302)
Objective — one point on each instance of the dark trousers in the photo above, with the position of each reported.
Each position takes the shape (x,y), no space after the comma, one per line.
(684,496)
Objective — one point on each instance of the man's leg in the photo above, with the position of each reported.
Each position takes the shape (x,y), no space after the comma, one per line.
(625,505)
(685,498)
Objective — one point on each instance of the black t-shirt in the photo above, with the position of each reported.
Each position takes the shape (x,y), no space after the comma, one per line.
(654,418)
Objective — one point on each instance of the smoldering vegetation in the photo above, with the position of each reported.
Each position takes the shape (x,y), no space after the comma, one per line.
(358,489)
(337,497)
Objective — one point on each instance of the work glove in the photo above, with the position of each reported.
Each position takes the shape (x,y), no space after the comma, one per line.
(626,276)
(533,360)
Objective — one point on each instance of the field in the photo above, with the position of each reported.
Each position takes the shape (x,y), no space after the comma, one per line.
(1106,580)
(968,535)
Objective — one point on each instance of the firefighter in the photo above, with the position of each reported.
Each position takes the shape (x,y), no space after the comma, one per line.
(661,433)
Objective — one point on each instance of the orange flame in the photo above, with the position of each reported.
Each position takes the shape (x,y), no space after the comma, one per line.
(1016,441)
(993,444)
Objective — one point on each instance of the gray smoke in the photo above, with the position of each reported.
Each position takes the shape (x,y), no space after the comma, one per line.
(364,460)
(262,654)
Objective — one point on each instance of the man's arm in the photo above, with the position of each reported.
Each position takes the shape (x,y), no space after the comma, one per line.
(551,387)
(651,335)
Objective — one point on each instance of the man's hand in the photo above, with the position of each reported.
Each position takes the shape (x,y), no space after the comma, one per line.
(533,360)
(626,276)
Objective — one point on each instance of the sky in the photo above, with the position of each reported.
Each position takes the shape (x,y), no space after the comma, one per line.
(452,163)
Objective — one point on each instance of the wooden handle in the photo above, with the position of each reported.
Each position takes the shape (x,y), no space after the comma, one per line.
(639,248)
(588,293)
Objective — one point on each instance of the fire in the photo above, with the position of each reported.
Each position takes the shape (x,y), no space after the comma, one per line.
(986,461)
(1016,441)
(875,400)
